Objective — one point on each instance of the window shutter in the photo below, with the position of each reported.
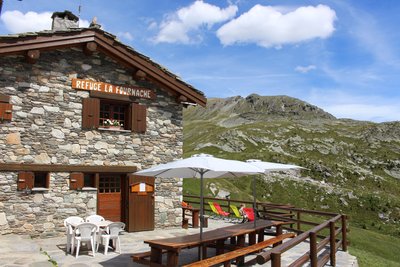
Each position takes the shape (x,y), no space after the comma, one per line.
(76,180)
(5,112)
(139,115)
(25,180)
(90,113)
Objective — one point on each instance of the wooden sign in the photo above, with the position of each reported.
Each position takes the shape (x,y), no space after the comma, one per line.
(113,89)
(142,188)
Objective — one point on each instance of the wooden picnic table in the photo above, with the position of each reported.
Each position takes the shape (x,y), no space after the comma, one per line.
(195,215)
(237,234)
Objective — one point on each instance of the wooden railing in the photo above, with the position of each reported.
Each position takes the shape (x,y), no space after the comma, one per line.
(325,231)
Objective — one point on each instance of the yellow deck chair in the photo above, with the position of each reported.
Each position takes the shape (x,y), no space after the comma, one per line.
(236,212)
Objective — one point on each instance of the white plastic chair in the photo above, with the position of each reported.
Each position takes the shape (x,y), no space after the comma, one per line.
(94,218)
(111,233)
(87,235)
(69,231)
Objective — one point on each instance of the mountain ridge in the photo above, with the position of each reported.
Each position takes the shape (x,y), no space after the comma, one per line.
(359,159)
(237,110)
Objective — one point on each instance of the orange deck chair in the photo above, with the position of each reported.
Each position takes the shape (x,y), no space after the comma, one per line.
(220,211)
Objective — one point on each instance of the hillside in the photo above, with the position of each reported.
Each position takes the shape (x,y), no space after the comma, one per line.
(354,166)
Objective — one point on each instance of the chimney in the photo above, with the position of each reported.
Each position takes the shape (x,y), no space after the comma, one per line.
(63,21)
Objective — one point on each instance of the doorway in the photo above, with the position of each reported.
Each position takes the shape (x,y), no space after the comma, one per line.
(140,204)
(109,197)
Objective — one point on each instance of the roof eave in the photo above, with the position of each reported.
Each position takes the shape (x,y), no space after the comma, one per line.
(106,43)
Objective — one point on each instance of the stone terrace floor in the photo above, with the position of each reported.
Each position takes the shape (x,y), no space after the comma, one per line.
(18,250)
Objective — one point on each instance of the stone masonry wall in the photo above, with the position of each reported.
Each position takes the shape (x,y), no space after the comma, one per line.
(46,129)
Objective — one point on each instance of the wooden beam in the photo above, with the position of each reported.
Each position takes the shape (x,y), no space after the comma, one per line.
(90,48)
(125,98)
(141,75)
(32,56)
(181,99)
(12,167)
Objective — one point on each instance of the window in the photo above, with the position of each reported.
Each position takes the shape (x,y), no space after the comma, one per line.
(96,111)
(5,109)
(116,112)
(33,180)
(89,180)
(109,184)
(40,180)
(82,181)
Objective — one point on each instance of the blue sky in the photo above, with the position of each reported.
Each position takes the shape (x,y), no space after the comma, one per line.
(343,56)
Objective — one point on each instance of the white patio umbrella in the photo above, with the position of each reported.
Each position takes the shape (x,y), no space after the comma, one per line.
(268,167)
(202,166)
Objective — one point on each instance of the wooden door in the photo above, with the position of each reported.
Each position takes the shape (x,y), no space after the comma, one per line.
(140,206)
(109,202)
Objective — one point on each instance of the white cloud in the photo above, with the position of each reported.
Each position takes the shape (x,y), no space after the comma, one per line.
(18,22)
(305,69)
(183,24)
(125,35)
(267,26)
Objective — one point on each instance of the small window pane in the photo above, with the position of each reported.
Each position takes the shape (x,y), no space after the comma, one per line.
(88,180)
(40,179)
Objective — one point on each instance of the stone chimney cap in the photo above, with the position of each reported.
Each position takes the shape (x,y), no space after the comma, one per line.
(66,14)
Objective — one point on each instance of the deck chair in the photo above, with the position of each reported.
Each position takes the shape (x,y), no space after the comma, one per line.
(250,213)
(224,214)
(214,210)
(237,214)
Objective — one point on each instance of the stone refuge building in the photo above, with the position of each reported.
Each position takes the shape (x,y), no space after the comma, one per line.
(79,113)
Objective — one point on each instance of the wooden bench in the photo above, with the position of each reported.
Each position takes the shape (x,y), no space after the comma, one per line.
(143,257)
(239,253)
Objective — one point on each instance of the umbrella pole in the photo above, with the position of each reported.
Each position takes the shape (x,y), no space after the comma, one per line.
(254,200)
(201,213)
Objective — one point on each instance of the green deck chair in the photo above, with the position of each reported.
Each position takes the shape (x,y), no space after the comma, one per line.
(236,212)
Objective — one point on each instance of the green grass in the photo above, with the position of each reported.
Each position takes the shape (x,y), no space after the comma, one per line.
(374,249)
(355,165)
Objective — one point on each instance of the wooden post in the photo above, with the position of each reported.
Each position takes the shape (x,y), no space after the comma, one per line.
(275,259)
(291,216)
(344,233)
(260,236)
(172,258)
(279,231)
(240,242)
(332,243)
(298,221)
(313,249)
(156,255)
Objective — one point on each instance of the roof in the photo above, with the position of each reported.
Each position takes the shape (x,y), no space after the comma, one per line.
(108,44)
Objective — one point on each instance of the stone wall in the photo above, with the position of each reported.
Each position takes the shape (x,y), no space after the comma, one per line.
(41,213)
(46,129)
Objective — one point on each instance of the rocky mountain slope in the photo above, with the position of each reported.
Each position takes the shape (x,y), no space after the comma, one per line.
(353,166)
